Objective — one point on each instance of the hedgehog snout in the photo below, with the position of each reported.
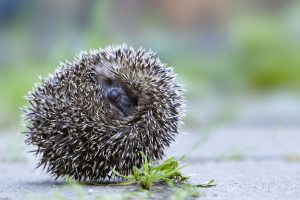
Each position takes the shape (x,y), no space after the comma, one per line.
(122,102)
(119,98)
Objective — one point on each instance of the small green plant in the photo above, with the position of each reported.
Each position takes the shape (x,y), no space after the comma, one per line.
(148,175)
(210,183)
(186,191)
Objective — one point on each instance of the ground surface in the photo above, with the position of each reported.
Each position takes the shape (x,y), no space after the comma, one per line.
(254,157)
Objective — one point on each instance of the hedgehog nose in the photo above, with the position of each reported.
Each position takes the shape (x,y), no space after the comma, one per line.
(114,95)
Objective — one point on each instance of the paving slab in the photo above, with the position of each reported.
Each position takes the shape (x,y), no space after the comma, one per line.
(223,142)
(249,179)
(245,164)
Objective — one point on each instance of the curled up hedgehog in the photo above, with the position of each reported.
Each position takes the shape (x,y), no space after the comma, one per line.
(101,111)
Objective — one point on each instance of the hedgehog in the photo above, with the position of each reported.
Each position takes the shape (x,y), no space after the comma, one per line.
(104,112)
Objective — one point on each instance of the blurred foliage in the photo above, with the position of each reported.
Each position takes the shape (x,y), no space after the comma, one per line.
(267,57)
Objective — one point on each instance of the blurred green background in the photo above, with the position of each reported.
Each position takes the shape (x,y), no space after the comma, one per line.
(218,48)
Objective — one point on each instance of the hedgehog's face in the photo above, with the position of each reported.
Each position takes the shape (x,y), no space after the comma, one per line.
(120,100)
